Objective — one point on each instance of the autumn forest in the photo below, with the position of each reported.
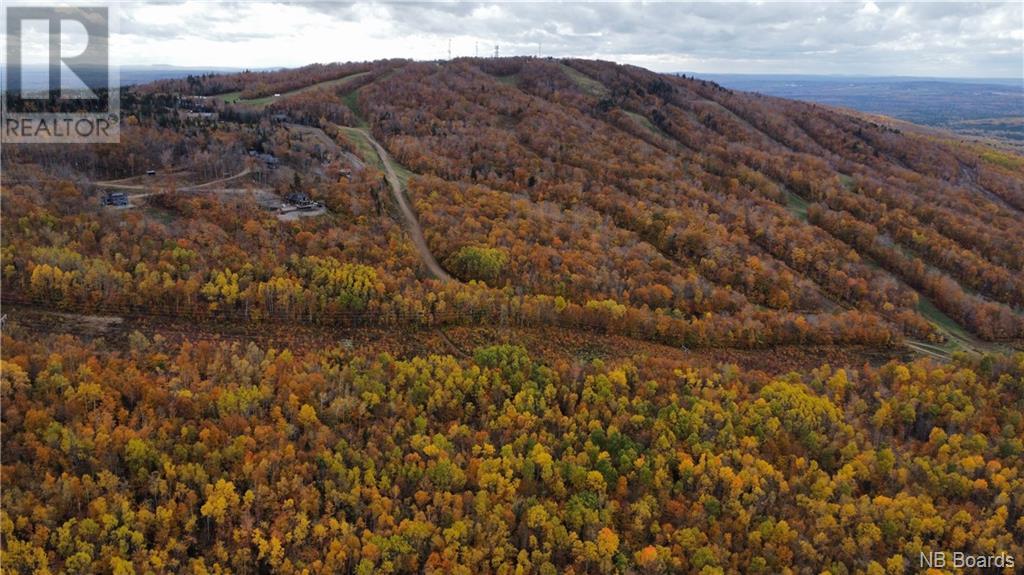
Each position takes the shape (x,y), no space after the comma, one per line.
(508,315)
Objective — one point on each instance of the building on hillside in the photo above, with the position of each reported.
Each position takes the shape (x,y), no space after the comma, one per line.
(298,198)
(199,117)
(116,199)
(299,201)
(269,161)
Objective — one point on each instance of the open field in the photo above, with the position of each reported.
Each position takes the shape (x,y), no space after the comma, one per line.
(257,103)
(586,83)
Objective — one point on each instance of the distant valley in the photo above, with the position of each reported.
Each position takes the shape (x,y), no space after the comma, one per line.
(984,107)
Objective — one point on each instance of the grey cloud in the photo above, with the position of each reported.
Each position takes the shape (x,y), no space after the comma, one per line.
(899,38)
(770,29)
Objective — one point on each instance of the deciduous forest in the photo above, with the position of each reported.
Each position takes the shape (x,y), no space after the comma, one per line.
(507,315)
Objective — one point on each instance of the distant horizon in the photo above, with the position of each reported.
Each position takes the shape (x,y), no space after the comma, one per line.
(680,72)
(856,76)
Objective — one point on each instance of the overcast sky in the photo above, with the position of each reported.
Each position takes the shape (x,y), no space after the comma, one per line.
(876,38)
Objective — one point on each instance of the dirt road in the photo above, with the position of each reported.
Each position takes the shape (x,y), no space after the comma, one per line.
(205,185)
(156,189)
(412,224)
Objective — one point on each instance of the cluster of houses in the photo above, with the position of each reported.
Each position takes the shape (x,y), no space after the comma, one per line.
(295,201)
(197,109)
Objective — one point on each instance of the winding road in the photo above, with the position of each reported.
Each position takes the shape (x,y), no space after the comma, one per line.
(206,185)
(412,224)
(155,189)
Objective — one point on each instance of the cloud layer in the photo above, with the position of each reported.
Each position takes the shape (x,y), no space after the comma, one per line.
(921,39)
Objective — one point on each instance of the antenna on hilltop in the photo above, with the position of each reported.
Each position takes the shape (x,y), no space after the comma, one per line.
(476,49)
(449,48)
(495,50)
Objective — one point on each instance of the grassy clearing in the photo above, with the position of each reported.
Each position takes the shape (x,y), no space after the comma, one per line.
(351,101)
(258,102)
(235,97)
(945,323)
(402,172)
(1006,160)
(586,83)
(796,205)
(957,338)
(511,79)
(364,149)
(646,124)
(642,120)
(847,181)
(229,97)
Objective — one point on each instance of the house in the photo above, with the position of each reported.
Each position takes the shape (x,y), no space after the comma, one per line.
(298,198)
(299,201)
(118,199)
(269,160)
(200,116)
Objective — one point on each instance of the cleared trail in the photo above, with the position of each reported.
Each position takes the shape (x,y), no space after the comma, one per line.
(412,223)
(207,185)
(152,189)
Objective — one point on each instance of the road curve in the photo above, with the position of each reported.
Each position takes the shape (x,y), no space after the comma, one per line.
(412,224)
(155,189)
(204,185)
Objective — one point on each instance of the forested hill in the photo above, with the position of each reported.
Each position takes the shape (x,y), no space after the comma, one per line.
(761,203)
(651,326)
(665,208)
